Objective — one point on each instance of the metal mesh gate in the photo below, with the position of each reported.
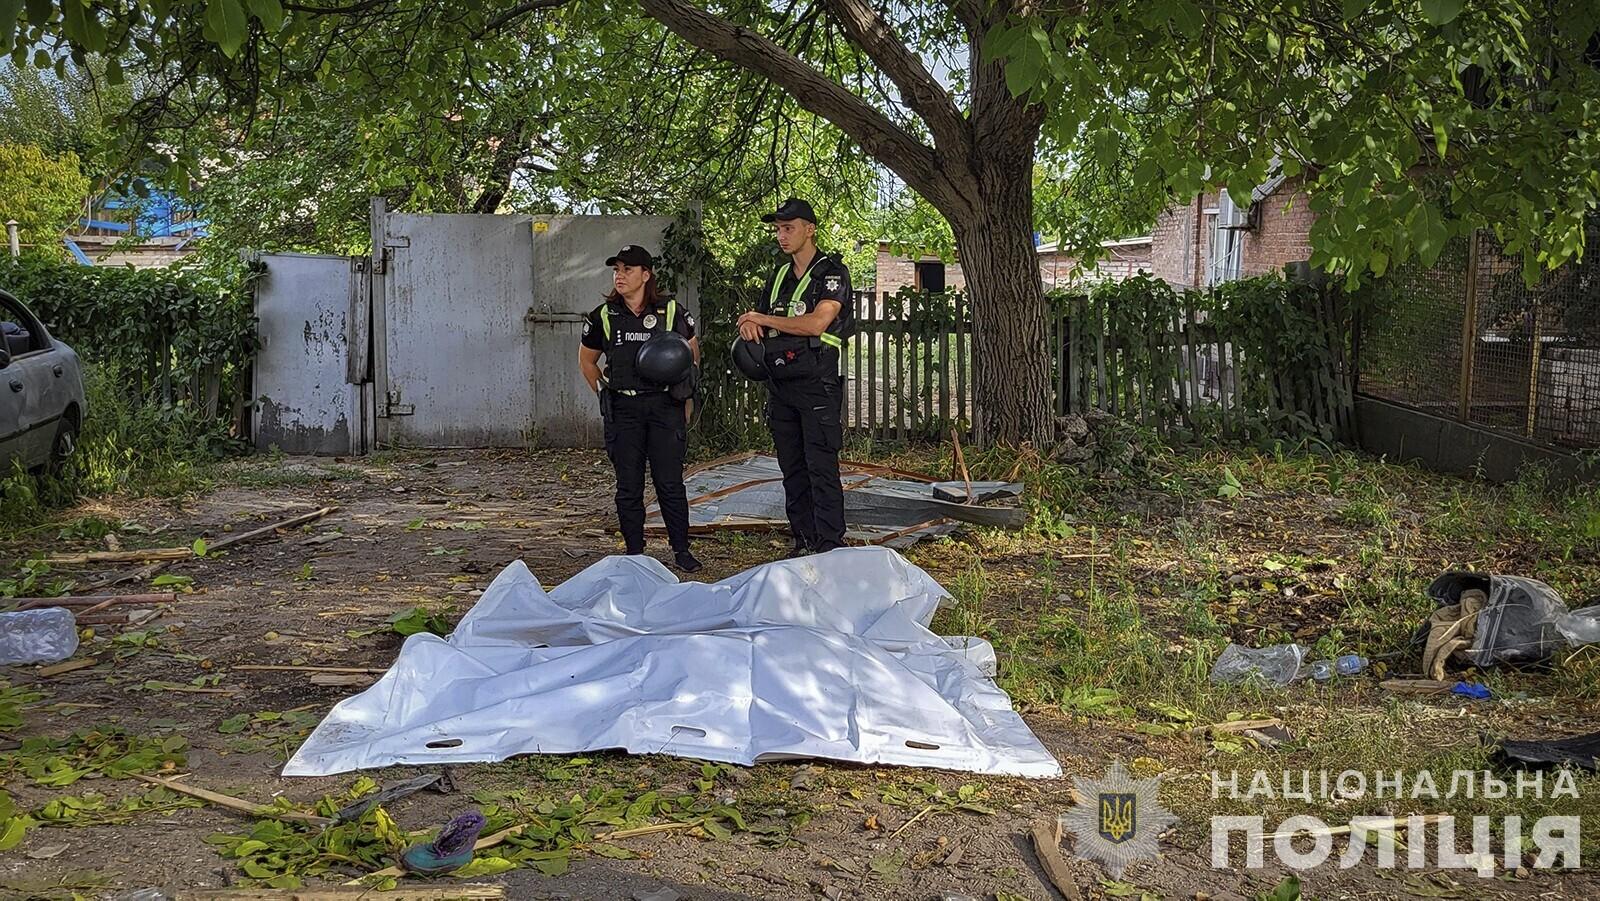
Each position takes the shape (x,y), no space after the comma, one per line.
(1468,339)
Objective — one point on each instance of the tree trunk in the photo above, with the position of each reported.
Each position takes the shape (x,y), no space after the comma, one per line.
(1011,363)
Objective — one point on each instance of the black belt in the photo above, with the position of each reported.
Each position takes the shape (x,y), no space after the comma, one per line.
(637,392)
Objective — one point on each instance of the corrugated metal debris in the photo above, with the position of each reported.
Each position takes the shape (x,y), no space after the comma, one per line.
(882,506)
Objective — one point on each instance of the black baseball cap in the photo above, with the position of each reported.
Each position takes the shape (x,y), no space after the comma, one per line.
(793,208)
(633,255)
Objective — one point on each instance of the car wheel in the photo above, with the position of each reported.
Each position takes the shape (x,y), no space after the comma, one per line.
(65,444)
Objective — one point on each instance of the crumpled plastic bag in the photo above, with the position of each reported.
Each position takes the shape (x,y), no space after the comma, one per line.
(1516,623)
(1279,664)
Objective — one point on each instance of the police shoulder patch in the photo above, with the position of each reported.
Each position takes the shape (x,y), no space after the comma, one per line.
(689,319)
(832,282)
(586,326)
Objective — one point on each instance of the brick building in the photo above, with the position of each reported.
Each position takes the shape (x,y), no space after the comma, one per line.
(1123,259)
(1204,242)
(1211,240)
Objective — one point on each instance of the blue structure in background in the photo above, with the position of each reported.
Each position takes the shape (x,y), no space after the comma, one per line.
(160,214)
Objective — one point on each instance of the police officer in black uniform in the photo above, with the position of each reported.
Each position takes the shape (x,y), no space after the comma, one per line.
(644,419)
(801,321)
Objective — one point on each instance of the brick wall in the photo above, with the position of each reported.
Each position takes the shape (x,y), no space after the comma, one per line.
(1283,235)
(1180,252)
(895,272)
(1121,261)
(1173,245)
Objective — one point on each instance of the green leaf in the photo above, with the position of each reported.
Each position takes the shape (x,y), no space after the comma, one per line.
(39,11)
(12,832)
(1353,8)
(1107,143)
(234,724)
(552,866)
(1442,12)
(270,12)
(226,25)
(199,547)
(170,579)
(1188,19)
(7,806)
(10,11)
(486,866)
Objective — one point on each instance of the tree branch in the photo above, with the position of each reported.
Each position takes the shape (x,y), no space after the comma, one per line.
(885,141)
(869,30)
(517,12)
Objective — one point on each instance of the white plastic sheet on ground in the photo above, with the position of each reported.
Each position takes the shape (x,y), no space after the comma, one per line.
(825,656)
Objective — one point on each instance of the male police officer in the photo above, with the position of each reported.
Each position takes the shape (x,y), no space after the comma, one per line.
(801,322)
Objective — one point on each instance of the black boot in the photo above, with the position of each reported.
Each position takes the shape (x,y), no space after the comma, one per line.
(800,549)
(686,561)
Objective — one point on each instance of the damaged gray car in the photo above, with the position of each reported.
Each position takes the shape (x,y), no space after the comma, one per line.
(41,392)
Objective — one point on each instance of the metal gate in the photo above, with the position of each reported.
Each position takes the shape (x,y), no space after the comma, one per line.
(476,338)
(460,331)
(307,396)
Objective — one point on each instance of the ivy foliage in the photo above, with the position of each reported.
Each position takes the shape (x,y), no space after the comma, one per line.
(162,328)
(1280,347)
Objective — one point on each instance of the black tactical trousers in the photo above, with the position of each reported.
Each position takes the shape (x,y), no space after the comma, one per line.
(640,428)
(804,415)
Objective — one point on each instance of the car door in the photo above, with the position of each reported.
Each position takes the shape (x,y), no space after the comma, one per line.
(30,380)
(11,436)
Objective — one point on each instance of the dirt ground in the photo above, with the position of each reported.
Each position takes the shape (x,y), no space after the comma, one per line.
(433,530)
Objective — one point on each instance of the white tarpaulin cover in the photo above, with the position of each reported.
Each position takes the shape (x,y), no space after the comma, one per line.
(823,656)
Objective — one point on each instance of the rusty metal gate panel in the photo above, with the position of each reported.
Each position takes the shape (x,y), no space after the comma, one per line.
(456,355)
(569,280)
(304,401)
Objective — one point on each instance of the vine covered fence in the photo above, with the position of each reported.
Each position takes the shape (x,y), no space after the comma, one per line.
(1250,359)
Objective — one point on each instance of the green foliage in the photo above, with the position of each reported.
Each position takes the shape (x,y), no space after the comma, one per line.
(13,701)
(93,809)
(109,751)
(13,826)
(1280,347)
(280,854)
(63,115)
(43,193)
(418,619)
(30,581)
(1402,145)
(169,331)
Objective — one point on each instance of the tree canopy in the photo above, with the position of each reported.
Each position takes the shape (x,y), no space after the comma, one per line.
(1411,121)
(44,194)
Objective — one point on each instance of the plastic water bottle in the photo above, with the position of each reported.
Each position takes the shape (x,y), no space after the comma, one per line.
(1346,665)
(37,636)
(1350,664)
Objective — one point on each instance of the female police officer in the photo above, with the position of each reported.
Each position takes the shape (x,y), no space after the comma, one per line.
(647,342)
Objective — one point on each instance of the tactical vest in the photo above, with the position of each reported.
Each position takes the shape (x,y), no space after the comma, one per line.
(798,356)
(621,354)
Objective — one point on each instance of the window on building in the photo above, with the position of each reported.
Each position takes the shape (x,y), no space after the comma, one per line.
(930,276)
(1225,261)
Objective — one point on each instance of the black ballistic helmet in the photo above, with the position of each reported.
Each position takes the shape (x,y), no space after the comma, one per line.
(664,359)
(747,357)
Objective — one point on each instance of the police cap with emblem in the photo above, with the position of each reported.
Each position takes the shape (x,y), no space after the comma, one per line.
(633,255)
(793,208)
